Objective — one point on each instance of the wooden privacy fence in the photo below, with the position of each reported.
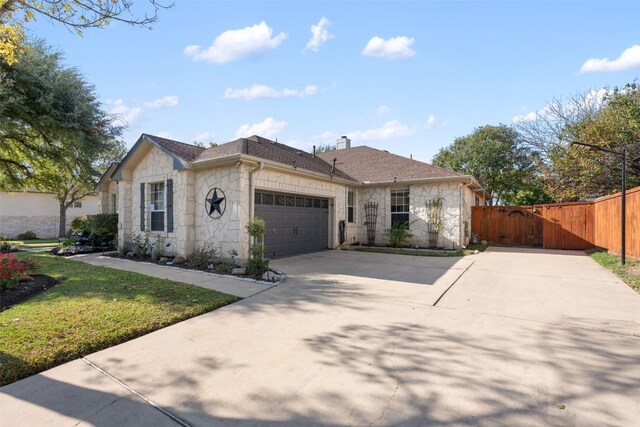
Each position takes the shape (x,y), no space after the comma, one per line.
(580,225)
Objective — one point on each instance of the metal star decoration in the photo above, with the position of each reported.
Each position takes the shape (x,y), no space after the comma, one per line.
(216,203)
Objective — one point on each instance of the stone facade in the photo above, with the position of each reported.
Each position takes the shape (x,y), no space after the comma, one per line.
(38,212)
(194,228)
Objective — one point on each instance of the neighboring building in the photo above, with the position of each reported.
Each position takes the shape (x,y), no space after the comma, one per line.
(39,212)
(190,196)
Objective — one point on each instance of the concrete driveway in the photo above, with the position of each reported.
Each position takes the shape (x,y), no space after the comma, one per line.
(521,337)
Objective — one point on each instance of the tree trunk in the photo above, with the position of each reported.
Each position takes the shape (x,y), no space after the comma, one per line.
(62,231)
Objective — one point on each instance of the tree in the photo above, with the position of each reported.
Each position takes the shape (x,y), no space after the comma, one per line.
(49,115)
(70,187)
(73,14)
(579,173)
(495,155)
(323,148)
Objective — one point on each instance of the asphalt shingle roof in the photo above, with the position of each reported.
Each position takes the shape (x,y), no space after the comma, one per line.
(187,152)
(369,164)
(254,146)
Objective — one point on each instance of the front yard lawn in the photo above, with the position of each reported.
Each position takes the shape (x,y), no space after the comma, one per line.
(92,309)
(629,273)
(38,243)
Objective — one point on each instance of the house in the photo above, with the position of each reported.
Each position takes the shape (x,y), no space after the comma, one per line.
(39,211)
(191,196)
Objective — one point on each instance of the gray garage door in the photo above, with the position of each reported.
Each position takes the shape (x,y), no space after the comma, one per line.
(295,224)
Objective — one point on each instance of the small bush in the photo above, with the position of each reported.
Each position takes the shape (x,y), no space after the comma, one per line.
(10,270)
(27,235)
(398,235)
(80,223)
(104,225)
(256,227)
(66,242)
(141,245)
(202,257)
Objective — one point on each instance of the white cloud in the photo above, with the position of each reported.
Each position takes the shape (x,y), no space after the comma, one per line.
(529,117)
(319,35)
(383,110)
(125,115)
(164,102)
(263,91)
(628,60)
(204,137)
(391,129)
(394,48)
(327,134)
(431,121)
(268,128)
(235,44)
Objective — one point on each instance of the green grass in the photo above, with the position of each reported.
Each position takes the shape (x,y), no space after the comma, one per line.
(33,243)
(421,252)
(92,309)
(629,273)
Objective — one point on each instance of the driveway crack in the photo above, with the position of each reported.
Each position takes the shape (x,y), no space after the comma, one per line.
(396,374)
(135,392)
(454,282)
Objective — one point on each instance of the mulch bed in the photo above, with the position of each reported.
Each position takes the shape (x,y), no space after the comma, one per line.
(25,290)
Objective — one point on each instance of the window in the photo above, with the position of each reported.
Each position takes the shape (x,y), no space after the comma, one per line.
(400,207)
(77,204)
(157,206)
(350,207)
(114,205)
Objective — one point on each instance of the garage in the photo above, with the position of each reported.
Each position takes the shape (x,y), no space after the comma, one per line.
(295,223)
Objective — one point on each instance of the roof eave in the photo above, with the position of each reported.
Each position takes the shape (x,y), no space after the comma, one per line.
(178,162)
(466,179)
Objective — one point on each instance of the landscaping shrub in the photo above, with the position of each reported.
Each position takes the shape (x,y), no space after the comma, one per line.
(202,257)
(80,223)
(104,229)
(256,265)
(398,235)
(27,235)
(10,270)
(104,225)
(141,245)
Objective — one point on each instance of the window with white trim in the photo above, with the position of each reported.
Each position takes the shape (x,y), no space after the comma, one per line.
(351,213)
(400,207)
(114,204)
(157,206)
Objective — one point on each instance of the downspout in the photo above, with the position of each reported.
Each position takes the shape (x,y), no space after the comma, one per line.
(252,195)
(252,190)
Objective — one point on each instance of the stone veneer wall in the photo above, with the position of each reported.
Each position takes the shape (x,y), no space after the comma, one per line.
(450,235)
(155,167)
(106,203)
(226,233)
(451,226)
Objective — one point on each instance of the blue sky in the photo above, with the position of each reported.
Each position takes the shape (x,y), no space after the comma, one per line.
(408,77)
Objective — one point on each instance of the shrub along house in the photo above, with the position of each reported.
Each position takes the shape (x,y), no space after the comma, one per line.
(190,196)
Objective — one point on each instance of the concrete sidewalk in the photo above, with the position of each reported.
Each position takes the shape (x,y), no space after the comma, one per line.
(242,288)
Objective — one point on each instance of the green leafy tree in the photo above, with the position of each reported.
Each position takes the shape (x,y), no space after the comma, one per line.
(581,172)
(54,135)
(495,156)
(71,186)
(49,116)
